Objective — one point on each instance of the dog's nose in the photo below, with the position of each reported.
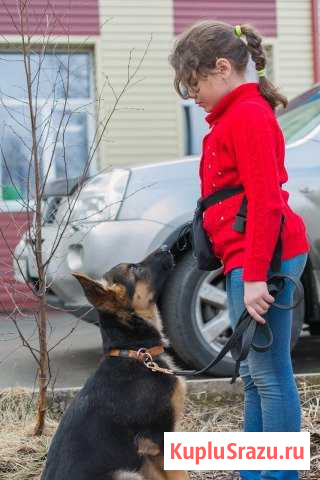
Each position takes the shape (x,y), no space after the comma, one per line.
(164,248)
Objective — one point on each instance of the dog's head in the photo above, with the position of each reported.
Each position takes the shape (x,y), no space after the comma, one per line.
(130,287)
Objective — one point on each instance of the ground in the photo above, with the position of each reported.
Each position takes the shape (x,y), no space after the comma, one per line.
(22,455)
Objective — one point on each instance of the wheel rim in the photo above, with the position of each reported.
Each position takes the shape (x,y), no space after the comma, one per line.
(211,312)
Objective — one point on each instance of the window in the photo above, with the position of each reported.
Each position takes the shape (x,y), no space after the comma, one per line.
(195,127)
(51,87)
(302,119)
(269,49)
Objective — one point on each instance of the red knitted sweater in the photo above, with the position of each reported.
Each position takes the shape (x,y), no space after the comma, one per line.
(245,146)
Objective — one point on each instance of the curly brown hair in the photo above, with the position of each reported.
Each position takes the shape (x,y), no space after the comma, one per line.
(197,48)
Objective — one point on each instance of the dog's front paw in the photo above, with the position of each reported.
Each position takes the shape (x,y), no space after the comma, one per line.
(147,447)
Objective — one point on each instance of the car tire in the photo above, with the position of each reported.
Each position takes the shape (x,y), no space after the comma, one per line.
(196,320)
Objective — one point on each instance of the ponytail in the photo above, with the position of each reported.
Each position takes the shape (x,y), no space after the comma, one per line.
(266,87)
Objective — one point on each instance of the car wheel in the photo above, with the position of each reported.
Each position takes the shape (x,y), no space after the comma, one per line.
(196,319)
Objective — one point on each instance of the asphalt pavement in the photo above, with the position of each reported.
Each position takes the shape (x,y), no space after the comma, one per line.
(77,356)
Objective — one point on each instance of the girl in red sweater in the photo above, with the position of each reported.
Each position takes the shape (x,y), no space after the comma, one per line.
(245,146)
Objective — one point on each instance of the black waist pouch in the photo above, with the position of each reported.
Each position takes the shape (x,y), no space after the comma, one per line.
(203,249)
(201,245)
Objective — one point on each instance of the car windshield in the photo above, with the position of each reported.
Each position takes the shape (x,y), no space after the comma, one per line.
(302,118)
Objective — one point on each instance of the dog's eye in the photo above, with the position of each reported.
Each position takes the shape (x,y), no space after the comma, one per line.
(137,269)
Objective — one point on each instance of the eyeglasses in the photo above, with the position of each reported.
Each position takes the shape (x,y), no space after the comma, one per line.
(189,91)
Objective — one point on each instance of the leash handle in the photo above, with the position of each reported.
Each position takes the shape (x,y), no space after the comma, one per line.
(267,332)
(276,283)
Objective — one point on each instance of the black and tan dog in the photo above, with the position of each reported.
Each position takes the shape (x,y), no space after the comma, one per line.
(113,429)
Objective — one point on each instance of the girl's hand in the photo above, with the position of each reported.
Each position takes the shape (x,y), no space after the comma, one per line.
(257,299)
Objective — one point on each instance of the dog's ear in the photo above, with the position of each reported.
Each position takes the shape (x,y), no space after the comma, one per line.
(93,289)
(102,297)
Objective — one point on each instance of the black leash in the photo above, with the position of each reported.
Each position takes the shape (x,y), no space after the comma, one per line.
(242,338)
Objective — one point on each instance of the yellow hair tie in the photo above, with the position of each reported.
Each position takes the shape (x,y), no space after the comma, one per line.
(237,30)
(262,72)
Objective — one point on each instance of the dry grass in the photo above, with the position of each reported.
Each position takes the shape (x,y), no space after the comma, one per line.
(225,414)
(22,455)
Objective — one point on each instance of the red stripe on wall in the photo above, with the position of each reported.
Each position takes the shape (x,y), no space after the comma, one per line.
(12,293)
(63,17)
(260,13)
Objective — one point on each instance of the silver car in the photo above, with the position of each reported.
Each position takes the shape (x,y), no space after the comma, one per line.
(125,213)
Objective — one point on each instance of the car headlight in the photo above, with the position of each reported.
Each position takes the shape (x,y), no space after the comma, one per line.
(99,200)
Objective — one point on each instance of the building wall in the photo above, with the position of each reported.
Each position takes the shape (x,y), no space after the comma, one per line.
(294,46)
(319,18)
(74,17)
(146,125)
(261,13)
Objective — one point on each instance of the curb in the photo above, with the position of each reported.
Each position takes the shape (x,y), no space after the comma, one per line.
(195,388)
(211,386)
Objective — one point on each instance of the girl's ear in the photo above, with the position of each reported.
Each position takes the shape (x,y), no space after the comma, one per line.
(223,66)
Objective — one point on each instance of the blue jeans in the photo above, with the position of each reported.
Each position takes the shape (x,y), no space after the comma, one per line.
(271,397)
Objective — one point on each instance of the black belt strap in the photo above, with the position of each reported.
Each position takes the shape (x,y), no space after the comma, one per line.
(218,196)
(241,217)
